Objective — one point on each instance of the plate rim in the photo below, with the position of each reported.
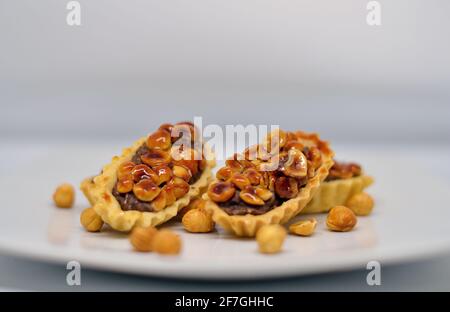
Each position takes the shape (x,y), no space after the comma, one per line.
(344,261)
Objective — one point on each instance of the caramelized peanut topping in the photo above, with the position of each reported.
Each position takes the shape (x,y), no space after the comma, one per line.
(344,171)
(249,196)
(159,140)
(263,193)
(160,171)
(221,191)
(253,176)
(125,169)
(125,184)
(170,194)
(160,201)
(224,173)
(267,174)
(296,165)
(235,165)
(146,190)
(156,158)
(240,181)
(286,187)
(182,172)
(180,187)
(140,172)
(164,174)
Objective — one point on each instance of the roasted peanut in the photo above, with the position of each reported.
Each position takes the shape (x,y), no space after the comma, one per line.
(164,174)
(160,202)
(160,139)
(146,190)
(224,173)
(198,203)
(341,219)
(180,187)
(170,194)
(296,165)
(125,184)
(166,242)
(286,187)
(125,169)
(249,196)
(253,176)
(303,227)
(235,164)
(198,221)
(90,220)
(361,204)
(269,179)
(263,193)
(141,238)
(240,180)
(142,171)
(191,165)
(182,172)
(64,196)
(221,192)
(155,158)
(168,127)
(270,238)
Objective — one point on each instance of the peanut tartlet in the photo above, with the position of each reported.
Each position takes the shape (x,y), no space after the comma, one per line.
(270,183)
(343,182)
(152,180)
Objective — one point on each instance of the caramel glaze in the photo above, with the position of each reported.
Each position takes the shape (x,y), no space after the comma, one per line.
(129,201)
(236,207)
(342,170)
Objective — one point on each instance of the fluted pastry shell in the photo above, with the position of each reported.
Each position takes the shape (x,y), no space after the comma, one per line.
(248,225)
(337,193)
(106,205)
(87,187)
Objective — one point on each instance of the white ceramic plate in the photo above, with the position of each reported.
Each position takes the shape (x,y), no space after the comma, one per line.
(410,222)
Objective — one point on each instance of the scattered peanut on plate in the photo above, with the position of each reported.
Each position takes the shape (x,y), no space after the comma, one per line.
(90,220)
(64,196)
(303,227)
(341,219)
(361,204)
(141,238)
(198,221)
(270,238)
(198,203)
(166,242)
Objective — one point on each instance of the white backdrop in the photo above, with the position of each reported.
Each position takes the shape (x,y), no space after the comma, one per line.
(301,64)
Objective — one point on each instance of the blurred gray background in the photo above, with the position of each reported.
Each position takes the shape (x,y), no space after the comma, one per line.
(314,65)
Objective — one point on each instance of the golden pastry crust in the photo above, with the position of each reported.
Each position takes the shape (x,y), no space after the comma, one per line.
(87,187)
(106,205)
(337,193)
(248,225)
